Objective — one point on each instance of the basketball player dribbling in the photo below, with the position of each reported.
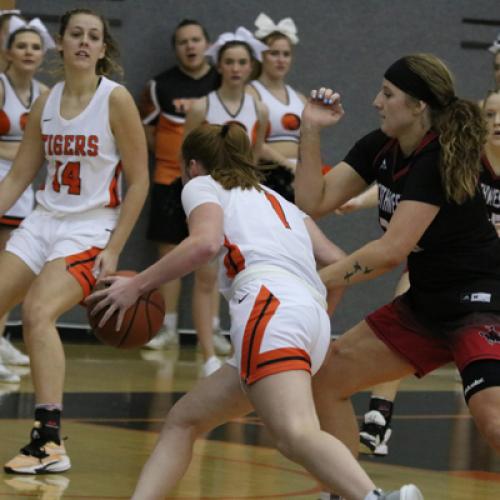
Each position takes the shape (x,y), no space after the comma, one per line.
(88,130)
(426,160)
(280,329)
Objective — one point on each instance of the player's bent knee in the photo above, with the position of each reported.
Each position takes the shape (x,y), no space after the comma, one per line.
(181,418)
(178,423)
(34,315)
(489,427)
(492,433)
(291,438)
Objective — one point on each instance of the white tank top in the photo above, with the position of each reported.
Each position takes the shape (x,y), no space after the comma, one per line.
(83,164)
(261,228)
(14,114)
(284,119)
(246,116)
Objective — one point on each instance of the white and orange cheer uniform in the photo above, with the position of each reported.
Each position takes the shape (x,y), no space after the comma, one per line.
(246,116)
(268,274)
(284,118)
(13,119)
(78,206)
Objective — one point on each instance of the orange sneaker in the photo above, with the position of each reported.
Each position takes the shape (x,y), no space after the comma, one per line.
(39,456)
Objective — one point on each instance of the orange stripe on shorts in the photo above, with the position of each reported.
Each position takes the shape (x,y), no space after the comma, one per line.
(263,310)
(279,360)
(8,220)
(80,266)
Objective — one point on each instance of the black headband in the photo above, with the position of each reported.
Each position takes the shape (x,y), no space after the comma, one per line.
(401,75)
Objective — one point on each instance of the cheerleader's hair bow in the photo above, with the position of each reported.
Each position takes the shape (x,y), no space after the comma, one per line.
(495,47)
(240,35)
(6,12)
(265,26)
(16,24)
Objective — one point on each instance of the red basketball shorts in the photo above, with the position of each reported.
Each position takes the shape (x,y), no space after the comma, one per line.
(427,346)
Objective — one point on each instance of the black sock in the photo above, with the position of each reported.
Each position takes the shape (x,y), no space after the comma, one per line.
(384,406)
(50,421)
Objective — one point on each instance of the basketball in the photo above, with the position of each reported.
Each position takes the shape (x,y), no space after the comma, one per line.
(141,322)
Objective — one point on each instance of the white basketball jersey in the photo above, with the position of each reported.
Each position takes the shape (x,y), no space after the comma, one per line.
(14,114)
(260,228)
(83,163)
(246,116)
(284,119)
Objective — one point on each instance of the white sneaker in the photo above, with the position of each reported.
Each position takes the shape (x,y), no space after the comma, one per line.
(210,366)
(10,355)
(406,492)
(8,377)
(164,339)
(222,346)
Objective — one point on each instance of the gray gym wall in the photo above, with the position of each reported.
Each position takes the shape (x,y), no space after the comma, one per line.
(346,44)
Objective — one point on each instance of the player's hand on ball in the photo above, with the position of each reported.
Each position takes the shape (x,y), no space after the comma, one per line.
(117,296)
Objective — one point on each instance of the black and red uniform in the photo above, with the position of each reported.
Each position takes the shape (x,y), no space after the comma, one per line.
(452,309)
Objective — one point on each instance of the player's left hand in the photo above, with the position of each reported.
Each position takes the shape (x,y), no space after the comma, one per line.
(105,264)
(118,294)
(323,108)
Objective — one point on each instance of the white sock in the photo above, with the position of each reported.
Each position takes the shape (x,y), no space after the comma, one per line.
(170,321)
(215,323)
(373,495)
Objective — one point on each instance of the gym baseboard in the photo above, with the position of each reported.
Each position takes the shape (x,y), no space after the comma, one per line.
(82,333)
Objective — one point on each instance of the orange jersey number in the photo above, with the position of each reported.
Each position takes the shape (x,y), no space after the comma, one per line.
(70,177)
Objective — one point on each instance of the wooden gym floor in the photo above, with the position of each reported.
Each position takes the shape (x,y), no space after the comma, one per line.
(116,400)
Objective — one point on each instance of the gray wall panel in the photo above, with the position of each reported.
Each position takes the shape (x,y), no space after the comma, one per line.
(343,43)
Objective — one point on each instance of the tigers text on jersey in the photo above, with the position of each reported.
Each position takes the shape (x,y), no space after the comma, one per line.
(83,163)
(260,228)
(284,118)
(246,116)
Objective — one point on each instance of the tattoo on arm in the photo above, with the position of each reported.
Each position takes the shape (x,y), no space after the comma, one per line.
(357,268)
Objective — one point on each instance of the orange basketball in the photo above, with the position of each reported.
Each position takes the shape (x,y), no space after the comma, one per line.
(141,322)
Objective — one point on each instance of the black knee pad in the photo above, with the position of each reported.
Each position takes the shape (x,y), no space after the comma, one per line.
(479,375)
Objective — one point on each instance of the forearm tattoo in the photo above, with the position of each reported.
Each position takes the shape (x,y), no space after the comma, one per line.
(357,268)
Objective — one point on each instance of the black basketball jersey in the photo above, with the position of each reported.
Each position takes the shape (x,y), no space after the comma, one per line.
(455,267)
